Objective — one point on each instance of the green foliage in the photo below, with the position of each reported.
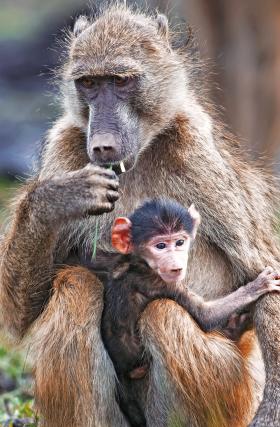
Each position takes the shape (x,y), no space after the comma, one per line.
(11,363)
(16,407)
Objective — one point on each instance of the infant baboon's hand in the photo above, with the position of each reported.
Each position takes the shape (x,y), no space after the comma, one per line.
(92,190)
(267,281)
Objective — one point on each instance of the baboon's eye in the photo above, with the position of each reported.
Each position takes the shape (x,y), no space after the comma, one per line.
(121,81)
(180,242)
(87,82)
(161,245)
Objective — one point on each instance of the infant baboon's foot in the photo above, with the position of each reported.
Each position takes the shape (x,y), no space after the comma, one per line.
(138,373)
(237,325)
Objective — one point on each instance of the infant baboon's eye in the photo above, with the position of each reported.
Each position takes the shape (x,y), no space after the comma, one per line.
(87,82)
(180,242)
(161,245)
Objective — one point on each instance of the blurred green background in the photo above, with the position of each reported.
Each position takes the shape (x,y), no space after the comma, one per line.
(241,42)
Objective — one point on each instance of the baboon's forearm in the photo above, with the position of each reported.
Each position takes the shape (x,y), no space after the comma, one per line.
(26,267)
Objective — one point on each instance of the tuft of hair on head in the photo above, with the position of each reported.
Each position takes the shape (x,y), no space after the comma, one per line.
(158,217)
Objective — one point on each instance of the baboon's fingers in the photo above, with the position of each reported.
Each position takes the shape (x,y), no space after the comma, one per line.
(274,276)
(274,285)
(101,181)
(102,207)
(112,196)
(267,270)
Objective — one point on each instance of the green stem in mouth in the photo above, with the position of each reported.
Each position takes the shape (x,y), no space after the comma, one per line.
(95,239)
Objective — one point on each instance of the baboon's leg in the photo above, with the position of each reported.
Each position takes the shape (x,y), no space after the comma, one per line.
(74,378)
(198,377)
(194,376)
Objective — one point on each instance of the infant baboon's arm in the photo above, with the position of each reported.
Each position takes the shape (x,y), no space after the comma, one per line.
(215,314)
(209,315)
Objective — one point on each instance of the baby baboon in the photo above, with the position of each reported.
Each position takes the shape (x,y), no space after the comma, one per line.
(131,93)
(155,242)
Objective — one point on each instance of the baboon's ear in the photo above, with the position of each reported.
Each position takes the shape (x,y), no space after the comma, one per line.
(196,219)
(80,25)
(163,28)
(183,39)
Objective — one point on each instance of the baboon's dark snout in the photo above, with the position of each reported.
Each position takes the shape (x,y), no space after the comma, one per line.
(104,148)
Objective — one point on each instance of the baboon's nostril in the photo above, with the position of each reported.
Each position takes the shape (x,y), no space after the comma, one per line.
(104,147)
(97,149)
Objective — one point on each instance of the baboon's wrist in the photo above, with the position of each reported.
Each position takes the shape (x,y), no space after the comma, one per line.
(40,206)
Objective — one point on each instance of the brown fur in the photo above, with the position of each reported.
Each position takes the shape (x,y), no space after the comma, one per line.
(222,396)
(184,155)
(62,345)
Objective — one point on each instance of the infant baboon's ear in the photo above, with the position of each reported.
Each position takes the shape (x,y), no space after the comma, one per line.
(81,24)
(163,28)
(121,235)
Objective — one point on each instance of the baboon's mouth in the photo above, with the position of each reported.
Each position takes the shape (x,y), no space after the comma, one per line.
(122,166)
(119,168)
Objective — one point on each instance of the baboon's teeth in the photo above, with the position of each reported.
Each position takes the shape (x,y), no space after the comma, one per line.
(122,167)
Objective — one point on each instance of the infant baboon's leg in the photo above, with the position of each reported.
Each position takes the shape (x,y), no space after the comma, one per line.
(74,377)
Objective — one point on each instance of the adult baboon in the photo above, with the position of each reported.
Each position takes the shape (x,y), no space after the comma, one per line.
(131,94)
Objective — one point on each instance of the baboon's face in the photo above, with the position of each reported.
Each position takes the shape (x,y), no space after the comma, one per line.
(127,82)
(113,124)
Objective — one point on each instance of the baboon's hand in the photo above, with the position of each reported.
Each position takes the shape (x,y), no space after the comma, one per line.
(267,281)
(91,190)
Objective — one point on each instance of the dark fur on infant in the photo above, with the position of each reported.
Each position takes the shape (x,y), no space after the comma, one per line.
(153,266)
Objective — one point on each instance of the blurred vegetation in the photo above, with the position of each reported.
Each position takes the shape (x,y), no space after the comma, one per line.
(28,100)
(7,188)
(23,19)
(16,401)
